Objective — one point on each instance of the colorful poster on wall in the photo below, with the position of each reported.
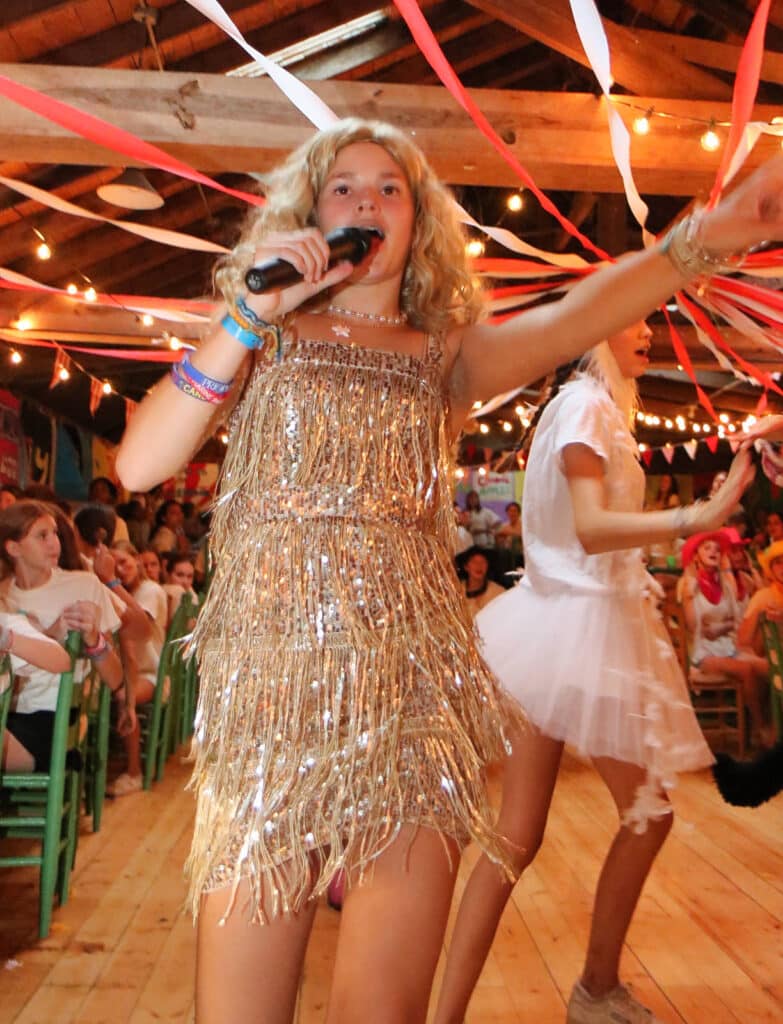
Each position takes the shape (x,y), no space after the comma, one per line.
(103,456)
(12,446)
(72,464)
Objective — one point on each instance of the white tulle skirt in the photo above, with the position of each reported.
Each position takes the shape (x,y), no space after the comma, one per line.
(598,671)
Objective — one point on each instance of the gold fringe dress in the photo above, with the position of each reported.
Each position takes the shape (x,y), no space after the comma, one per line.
(342,694)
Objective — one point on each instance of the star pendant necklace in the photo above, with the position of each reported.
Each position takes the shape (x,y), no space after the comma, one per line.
(343,330)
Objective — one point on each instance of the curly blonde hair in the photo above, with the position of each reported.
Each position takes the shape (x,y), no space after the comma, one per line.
(438,289)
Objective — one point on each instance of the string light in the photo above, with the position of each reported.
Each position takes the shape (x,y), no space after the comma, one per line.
(24,323)
(63,373)
(710,140)
(482,471)
(16,357)
(515,202)
(107,388)
(90,294)
(147,319)
(43,252)
(483,428)
(459,473)
(519,410)
(174,343)
(477,404)
(641,124)
(475,247)
(224,437)
(72,289)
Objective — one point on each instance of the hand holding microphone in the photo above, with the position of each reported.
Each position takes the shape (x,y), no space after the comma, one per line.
(348,243)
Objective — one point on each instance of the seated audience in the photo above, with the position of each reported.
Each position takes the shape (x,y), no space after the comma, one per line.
(140,656)
(712,617)
(479,589)
(153,567)
(103,491)
(464,536)
(169,532)
(508,537)
(55,601)
(768,600)
(483,523)
(179,572)
(27,740)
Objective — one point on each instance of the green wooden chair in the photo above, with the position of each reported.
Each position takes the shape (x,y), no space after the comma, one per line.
(97,756)
(157,719)
(770,631)
(46,805)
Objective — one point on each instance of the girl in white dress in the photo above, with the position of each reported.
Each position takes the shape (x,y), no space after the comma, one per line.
(581,645)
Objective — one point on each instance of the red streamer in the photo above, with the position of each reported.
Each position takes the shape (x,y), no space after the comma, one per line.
(436,58)
(685,362)
(105,134)
(746,84)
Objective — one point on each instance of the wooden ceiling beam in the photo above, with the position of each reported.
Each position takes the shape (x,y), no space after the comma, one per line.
(735,18)
(707,52)
(553,24)
(247,124)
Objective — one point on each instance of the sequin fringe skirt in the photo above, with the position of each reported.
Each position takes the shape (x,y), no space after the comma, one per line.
(336,709)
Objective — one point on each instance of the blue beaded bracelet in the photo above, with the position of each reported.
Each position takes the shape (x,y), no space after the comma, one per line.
(217,387)
(247,338)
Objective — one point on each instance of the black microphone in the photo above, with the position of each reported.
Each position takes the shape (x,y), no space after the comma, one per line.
(344,244)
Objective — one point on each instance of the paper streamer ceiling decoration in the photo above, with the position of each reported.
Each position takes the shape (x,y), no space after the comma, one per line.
(755,311)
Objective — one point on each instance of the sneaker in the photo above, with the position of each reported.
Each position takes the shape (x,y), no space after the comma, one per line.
(616,1007)
(125,784)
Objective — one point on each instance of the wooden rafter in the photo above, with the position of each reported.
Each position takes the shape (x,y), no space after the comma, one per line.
(243,125)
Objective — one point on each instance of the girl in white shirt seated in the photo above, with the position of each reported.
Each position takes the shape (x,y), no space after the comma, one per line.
(141,655)
(55,601)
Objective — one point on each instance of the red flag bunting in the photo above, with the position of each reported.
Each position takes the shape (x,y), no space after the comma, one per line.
(712,443)
(647,456)
(96,394)
(61,370)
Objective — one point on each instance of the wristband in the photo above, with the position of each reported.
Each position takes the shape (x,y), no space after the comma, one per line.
(195,376)
(249,320)
(112,584)
(98,651)
(188,387)
(244,336)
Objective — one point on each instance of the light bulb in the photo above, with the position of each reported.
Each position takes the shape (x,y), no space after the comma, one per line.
(460,473)
(515,202)
(641,125)
(724,417)
(482,471)
(710,140)
(147,319)
(224,437)
(475,247)
(507,426)
(706,428)
(72,289)
(24,323)
(16,357)
(483,428)
(106,388)
(477,404)
(43,252)
(519,410)
(63,373)
(696,428)
(174,343)
(668,424)
(90,294)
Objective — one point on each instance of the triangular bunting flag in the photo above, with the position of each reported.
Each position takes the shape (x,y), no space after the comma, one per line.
(96,394)
(712,443)
(690,447)
(668,452)
(61,370)
(734,443)
(647,456)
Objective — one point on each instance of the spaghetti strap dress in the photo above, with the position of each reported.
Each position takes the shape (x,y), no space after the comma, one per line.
(342,693)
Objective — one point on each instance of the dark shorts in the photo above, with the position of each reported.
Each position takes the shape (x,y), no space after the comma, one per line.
(34,732)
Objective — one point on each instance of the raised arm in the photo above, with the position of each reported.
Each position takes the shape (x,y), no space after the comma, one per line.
(602,529)
(493,359)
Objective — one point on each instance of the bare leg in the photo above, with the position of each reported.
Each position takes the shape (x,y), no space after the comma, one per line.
(622,877)
(248,973)
(16,758)
(391,932)
(528,783)
(145,691)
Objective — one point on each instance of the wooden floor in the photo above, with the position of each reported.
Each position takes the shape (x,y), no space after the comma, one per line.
(706,946)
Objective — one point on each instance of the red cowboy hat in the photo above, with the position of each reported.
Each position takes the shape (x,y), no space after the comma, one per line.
(692,544)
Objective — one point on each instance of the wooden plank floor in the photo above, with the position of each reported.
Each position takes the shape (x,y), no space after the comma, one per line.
(706,946)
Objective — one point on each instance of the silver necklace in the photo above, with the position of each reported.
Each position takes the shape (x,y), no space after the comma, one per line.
(371,319)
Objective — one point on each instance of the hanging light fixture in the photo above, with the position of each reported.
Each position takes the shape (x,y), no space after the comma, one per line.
(132,191)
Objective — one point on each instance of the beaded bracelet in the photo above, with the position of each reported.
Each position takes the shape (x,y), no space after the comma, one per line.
(99,650)
(190,388)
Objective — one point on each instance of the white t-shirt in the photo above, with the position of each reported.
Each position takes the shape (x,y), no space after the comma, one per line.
(20,625)
(555,561)
(482,521)
(152,598)
(43,605)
